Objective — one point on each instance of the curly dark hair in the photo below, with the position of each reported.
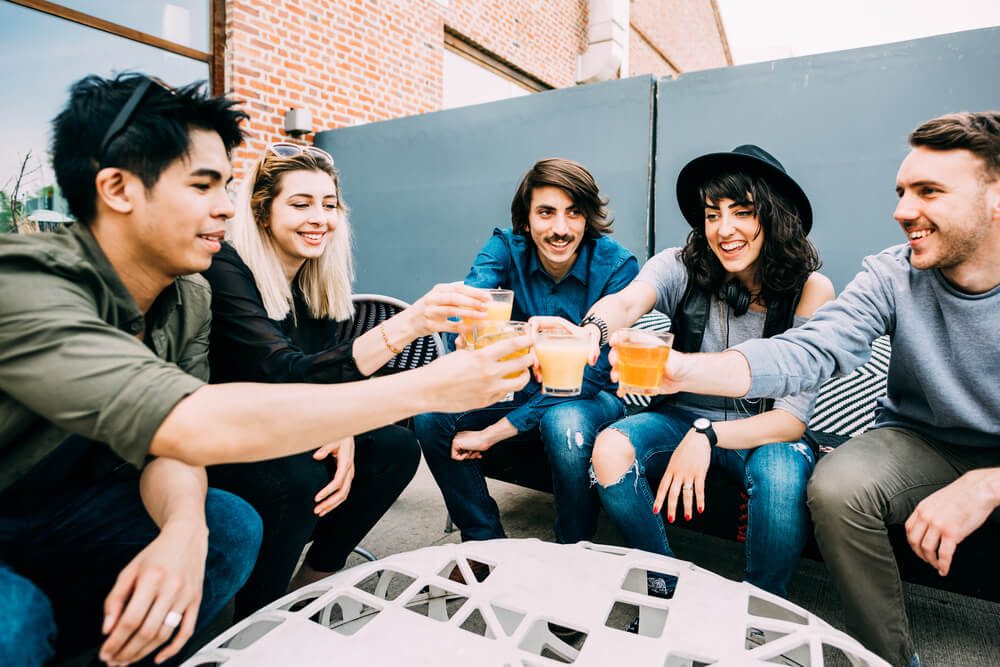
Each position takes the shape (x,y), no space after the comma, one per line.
(578,183)
(787,257)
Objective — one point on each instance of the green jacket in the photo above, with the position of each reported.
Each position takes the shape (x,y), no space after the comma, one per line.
(70,359)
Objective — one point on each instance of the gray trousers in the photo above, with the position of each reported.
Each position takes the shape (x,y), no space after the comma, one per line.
(869,482)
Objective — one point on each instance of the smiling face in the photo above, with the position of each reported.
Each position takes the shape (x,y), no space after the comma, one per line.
(557,227)
(735,235)
(944,208)
(179,224)
(303,217)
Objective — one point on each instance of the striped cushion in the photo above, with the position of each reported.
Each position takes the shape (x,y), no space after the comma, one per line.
(846,406)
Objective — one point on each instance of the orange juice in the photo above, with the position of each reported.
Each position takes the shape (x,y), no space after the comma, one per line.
(490,332)
(498,309)
(641,358)
(562,357)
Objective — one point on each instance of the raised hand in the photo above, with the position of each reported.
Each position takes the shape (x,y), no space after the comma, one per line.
(676,371)
(550,322)
(468,380)
(434,311)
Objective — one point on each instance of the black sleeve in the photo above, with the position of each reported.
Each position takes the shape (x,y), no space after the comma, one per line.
(248,346)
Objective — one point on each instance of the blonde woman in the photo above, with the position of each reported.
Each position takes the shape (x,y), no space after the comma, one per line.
(281,308)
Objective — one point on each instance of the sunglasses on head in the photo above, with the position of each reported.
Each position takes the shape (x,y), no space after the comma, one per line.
(127,113)
(285,149)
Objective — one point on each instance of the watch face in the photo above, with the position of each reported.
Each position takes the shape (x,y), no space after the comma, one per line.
(701,423)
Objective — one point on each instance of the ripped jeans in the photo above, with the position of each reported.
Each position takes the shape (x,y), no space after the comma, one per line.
(567,432)
(774,477)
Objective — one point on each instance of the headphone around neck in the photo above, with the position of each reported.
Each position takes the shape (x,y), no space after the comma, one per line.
(736,296)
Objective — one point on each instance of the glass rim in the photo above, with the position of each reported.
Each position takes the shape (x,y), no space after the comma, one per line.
(652,338)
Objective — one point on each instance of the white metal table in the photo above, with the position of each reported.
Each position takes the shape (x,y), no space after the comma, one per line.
(496,602)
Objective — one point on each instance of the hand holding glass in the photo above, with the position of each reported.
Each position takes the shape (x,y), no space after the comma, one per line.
(498,309)
(488,332)
(642,356)
(562,355)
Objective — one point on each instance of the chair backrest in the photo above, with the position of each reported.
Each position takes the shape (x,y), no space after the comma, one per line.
(370,310)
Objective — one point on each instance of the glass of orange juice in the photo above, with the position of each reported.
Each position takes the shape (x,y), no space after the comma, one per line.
(642,354)
(498,309)
(491,331)
(562,356)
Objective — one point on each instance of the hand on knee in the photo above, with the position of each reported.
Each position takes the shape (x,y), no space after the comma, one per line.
(613,456)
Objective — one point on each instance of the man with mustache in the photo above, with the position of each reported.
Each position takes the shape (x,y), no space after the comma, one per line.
(931,462)
(559,259)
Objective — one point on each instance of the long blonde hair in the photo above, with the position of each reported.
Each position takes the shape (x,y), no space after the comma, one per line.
(325,281)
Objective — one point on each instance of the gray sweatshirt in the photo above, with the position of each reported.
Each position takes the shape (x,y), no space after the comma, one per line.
(944,373)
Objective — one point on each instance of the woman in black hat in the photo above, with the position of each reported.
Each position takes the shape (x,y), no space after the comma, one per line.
(747,271)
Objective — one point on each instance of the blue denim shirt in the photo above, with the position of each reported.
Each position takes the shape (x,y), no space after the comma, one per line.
(508,260)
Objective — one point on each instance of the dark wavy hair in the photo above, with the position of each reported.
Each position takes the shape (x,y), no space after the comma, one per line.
(787,257)
(158,134)
(574,179)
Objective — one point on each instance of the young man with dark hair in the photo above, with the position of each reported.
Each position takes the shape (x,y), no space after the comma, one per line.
(103,362)
(932,459)
(558,259)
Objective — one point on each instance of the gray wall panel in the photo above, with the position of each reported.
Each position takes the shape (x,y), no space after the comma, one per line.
(426,191)
(837,121)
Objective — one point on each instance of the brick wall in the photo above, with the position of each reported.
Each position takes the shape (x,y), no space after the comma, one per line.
(673,36)
(358,61)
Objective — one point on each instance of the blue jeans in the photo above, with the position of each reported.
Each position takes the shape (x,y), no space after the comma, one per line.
(59,562)
(567,432)
(774,477)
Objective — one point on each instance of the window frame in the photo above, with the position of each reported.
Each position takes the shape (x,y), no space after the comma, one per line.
(217,37)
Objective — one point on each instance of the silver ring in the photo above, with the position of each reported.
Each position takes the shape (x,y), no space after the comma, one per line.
(173,619)
(688,487)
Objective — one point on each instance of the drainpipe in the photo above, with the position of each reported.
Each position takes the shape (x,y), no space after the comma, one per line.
(607,39)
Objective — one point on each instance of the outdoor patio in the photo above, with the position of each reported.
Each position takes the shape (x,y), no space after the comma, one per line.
(949,629)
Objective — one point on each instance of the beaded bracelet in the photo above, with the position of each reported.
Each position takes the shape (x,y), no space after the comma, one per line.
(385,339)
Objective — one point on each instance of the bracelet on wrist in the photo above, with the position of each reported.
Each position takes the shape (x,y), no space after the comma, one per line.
(385,339)
(601,325)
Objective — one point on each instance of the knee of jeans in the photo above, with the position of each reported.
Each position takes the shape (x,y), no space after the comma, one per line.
(235,531)
(613,457)
(567,424)
(780,467)
(29,627)
(434,430)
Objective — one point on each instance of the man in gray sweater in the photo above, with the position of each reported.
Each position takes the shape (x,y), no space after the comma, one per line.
(932,459)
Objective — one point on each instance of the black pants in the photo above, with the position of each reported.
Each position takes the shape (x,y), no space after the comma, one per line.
(282,492)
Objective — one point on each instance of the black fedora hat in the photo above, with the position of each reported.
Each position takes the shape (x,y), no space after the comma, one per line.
(748,159)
